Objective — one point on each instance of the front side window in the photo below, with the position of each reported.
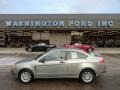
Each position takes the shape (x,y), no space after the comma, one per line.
(54,56)
(76,55)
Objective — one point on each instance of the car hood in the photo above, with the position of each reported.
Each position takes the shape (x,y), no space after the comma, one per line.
(26,60)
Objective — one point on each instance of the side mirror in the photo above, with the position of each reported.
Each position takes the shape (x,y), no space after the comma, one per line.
(61,58)
(42,60)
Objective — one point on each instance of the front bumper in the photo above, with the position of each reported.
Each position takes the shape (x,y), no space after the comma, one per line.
(14,73)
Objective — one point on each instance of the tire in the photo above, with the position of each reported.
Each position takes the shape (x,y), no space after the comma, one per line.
(87,76)
(90,50)
(25,76)
(29,49)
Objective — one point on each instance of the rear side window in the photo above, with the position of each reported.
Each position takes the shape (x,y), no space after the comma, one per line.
(95,54)
(76,55)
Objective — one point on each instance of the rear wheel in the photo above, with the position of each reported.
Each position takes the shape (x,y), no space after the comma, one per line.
(87,76)
(26,76)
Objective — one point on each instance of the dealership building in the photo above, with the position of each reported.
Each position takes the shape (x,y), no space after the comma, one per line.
(19,30)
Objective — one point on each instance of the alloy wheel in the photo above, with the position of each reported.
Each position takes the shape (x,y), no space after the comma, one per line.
(87,76)
(25,76)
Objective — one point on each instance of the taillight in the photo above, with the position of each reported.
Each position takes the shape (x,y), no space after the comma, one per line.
(102,61)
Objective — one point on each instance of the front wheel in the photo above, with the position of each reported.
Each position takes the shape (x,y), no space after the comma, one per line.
(29,49)
(25,76)
(87,76)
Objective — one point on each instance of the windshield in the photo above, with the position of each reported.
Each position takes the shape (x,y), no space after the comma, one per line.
(38,56)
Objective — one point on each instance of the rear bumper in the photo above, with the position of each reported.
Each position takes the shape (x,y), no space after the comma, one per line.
(101,70)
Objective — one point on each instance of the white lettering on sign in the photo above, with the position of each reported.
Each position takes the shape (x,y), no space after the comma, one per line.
(82,23)
(39,23)
(110,23)
(61,23)
(43,23)
(70,23)
(49,23)
(76,23)
(99,23)
(90,23)
(55,23)
(26,24)
(15,24)
(105,23)
(21,23)
(58,23)
(32,23)
(8,23)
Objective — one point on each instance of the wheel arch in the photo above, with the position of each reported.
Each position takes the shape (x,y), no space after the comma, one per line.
(87,69)
(25,69)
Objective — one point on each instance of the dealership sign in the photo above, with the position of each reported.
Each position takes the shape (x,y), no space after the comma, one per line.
(58,23)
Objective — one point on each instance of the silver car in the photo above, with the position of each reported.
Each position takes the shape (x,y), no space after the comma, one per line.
(61,63)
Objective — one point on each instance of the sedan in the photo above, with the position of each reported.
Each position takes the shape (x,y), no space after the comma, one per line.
(61,63)
(39,47)
(87,48)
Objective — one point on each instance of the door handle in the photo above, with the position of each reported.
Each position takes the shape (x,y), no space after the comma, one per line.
(62,62)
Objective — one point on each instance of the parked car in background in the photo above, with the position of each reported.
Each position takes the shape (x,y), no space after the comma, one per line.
(117,43)
(61,63)
(84,47)
(40,47)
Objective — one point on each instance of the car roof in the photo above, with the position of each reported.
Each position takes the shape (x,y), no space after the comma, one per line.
(41,44)
(68,49)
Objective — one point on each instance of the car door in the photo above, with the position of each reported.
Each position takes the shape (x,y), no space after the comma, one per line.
(35,48)
(75,60)
(39,47)
(52,65)
(42,47)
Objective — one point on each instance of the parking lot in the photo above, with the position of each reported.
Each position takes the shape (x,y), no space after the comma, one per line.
(109,81)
